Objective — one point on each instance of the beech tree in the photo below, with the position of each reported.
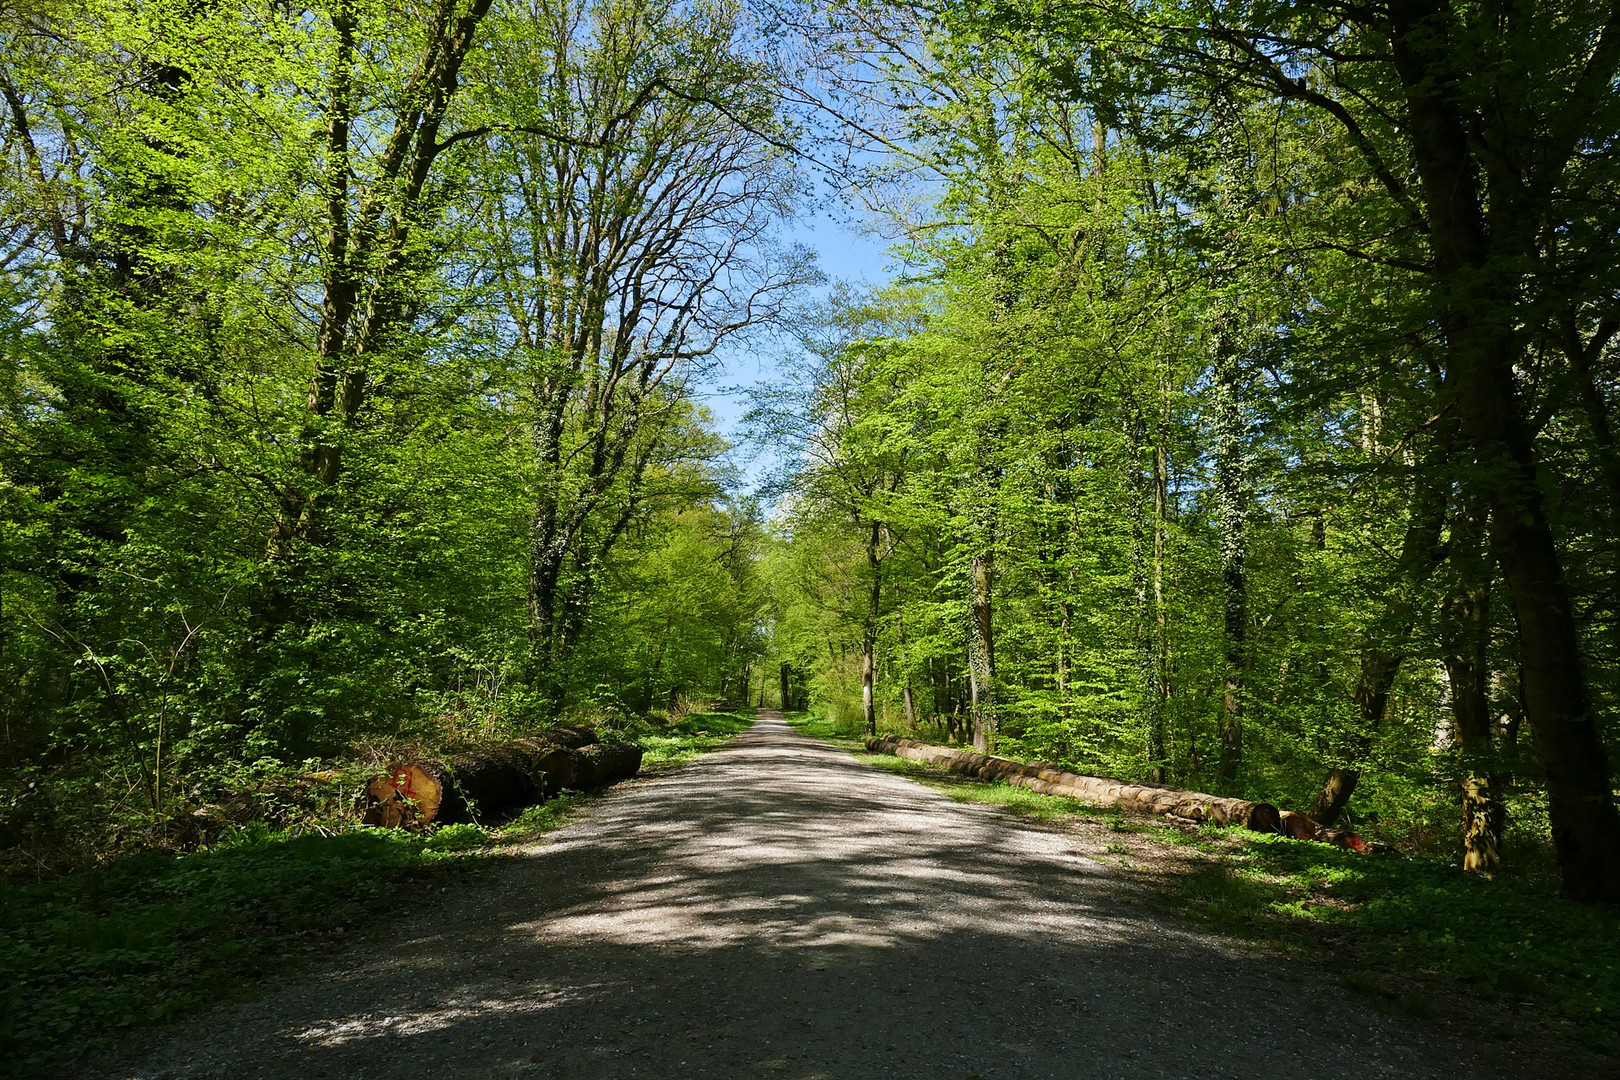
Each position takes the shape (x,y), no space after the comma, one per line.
(1366,227)
(629,242)
(263,370)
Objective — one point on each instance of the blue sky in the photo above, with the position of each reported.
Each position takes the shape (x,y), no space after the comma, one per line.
(845,254)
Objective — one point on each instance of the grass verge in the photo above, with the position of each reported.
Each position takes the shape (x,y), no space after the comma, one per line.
(1512,940)
(1380,920)
(89,958)
(819,727)
(682,740)
(155,936)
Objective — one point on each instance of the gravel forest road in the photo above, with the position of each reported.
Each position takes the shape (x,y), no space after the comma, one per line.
(778,909)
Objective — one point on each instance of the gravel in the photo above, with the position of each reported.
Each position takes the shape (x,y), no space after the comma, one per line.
(778,909)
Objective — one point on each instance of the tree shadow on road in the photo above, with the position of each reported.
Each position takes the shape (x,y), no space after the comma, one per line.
(778,910)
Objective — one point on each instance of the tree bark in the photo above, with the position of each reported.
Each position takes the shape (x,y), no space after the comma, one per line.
(1099,791)
(1476,290)
(905,693)
(1231,499)
(1465,635)
(489,783)
(874,564)
(981,655)
(1160,745)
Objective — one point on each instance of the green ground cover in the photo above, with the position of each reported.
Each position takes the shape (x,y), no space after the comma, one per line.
(1379,919)
(683,739)
(151,937)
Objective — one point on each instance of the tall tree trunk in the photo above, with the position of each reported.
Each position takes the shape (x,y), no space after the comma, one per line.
(1465,635)
(1231,512)
(1161,616)
(1481,783)
(1582,353)
(1065,624)
(552,390)
(982,655)
(1475,286)
(869,627)
(905,666)
(1154,659)
(1385,645)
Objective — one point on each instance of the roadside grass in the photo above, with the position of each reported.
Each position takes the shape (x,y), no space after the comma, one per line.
(819,727)
(148,938)
(155,936)
(1020,800)
(679,741)
(1511,940)
(1380,919)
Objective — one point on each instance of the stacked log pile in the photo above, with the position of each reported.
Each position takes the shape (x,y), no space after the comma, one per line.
(1101,791)
(488,783)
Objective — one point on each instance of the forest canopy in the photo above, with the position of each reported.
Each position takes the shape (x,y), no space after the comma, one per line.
(348,365)
(1239,419)
(1243,418)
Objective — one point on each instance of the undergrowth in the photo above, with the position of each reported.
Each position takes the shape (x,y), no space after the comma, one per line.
(681,740)
(154,936)
(1512,939)
(1379,917)
(146,938)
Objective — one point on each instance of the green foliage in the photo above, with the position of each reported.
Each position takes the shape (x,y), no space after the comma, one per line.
(155,936)
(451,838)
(542,817)
(1511,938)
(1169,419)
(679,741)
(269,484)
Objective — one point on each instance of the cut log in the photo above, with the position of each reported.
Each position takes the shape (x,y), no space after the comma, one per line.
(486,784)
(1298,826)
(1100,791)
(570,737)
(551,764)
(465,787)
(605,763)
(405,796)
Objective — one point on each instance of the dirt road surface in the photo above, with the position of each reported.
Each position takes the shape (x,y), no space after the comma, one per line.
(778,909)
